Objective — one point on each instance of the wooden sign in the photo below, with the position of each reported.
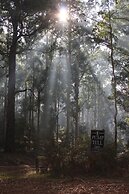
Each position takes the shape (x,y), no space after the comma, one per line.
(97,140)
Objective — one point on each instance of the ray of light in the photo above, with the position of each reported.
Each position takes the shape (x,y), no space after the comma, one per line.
(63,15)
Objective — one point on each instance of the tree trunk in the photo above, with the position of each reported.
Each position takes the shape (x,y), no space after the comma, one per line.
(95,105)
(57,119)
(10,119)
(113,80)
(68,73)
(37,141)
(25,110)
(76,115)
(32,101)
(38,114)
(5,108)
(30,123)
(76,102)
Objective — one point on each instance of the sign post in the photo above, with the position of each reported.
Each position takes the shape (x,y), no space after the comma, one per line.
(97,140)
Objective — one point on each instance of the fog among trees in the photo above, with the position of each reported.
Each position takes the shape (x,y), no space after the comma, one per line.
(63,72)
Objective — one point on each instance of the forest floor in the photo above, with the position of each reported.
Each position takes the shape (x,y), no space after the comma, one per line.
(22,179)
(42,185)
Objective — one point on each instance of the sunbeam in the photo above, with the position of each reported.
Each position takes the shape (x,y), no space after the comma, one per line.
(63,15)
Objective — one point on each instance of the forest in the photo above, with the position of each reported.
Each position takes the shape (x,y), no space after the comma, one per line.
(64,73)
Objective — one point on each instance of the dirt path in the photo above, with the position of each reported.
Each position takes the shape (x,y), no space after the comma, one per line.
(63,186)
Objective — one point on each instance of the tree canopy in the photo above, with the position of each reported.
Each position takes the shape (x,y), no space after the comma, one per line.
(60,80)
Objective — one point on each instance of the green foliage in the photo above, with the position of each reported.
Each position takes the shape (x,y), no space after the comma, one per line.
(127,120)
(77,42)
(123,164)
(68,160)
(39,5)
(103,162)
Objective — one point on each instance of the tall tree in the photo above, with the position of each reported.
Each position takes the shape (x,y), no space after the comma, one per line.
(25,19)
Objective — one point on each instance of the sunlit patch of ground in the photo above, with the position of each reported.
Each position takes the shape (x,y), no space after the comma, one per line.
(21,171)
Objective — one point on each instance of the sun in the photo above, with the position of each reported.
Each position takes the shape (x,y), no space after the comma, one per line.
(63,15)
